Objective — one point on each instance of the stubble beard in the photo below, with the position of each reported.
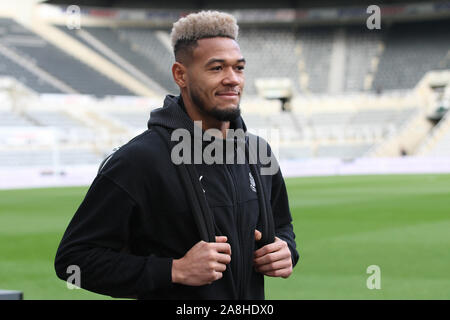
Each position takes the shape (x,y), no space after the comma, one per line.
(228,114)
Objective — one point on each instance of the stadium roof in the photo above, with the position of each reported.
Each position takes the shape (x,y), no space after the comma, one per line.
(230,4)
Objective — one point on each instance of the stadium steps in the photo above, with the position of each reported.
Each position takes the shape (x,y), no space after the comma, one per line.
(143,52)
(157,58)
(59,118)
(96,119)
(30,119)
(303,77)
(132,120)
(101,131)
(438,141)
(345,151)
(336,75)
(276,58)
(373,69)
(91,58)
(363,53)
(12,119)
(316,45)
(408,137)
(36,51)
(96,41)
(80,123)
(21,63)
(293,151)
(49,157)
(412,49)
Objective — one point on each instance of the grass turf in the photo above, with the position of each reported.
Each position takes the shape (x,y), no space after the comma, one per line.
(343,225)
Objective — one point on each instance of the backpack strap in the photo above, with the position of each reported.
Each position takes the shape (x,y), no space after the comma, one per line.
(189,178)
(266,223)
(203,216)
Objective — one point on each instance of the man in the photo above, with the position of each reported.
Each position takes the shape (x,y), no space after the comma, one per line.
(151,228)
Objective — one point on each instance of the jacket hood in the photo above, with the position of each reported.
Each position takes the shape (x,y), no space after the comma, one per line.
(173,115)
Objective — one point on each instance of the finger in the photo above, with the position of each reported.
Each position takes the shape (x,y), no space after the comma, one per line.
(281,264)
(223,258)
(284,273)
(272,257)
(220,267)
(217,275)
(214,277)
(271,247)
(258,235)
(221,239)
(221,247)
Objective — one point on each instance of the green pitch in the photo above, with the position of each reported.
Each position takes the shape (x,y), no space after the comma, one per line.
(400,223)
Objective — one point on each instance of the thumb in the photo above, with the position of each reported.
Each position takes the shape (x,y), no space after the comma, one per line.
(221,239)
(258,235)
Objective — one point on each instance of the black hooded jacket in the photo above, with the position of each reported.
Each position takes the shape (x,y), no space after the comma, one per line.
(138,216)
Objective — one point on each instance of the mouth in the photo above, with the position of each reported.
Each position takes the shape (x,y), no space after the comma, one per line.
(228,94)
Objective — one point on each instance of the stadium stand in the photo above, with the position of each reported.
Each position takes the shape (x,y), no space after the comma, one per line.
(9,67)
(11,119)
(48,157)
(54,119)
(438,142)
(442,147)
(342,151)
(321,61)
(159,56)
(307,53)
(292,152)
(363,49)
(135,50)
(135,120)
(41,54)
(315,46)
(412,49)
(263,49)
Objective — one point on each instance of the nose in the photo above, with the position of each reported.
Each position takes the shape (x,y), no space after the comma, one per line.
(232,78)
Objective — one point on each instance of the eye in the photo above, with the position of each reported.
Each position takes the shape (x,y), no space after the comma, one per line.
(216,68)
(240,68)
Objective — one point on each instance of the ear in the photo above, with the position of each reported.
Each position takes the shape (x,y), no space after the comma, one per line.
(179,73)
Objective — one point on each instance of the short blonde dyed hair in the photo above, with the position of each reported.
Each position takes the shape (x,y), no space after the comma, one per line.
(204,24)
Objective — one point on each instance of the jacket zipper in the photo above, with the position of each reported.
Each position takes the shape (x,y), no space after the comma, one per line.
(237,217)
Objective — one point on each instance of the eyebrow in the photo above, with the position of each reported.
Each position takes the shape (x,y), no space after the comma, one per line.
(215,60)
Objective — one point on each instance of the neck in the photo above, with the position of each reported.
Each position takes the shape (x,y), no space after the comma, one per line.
(208,122)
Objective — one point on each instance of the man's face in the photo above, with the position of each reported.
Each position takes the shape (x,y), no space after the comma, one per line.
(215,78)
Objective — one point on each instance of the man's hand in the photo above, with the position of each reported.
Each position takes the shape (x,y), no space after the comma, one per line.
(203,263)
(274,259)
